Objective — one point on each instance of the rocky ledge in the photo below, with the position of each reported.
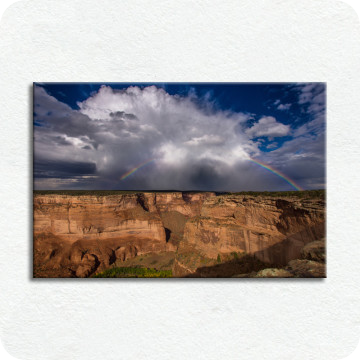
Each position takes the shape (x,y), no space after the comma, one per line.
(312,264)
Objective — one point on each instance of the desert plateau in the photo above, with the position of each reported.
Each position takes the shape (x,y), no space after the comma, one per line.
(179,234)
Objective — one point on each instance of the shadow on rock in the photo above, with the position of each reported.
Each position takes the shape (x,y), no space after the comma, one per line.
(246,265)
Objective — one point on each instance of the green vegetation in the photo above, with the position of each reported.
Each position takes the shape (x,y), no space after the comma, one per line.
(218,258)
(235,255)
(160,261)
(98,192)
(86,192)
(133,272)
(311,194)
(300,194)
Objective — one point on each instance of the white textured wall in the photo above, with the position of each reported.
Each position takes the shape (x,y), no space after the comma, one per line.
(209,40)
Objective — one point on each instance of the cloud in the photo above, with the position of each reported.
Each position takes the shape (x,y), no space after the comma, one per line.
(312,97)
(195,145)
(277,102)
(118,130)
(279,106)
(271,146)
(268,126)
(284,107)
(62,169)
(206,140)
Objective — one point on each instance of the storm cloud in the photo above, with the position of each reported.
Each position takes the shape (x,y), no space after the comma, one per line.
(194,143)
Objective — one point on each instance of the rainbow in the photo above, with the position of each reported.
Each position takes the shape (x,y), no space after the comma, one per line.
(278,173)
(123,177)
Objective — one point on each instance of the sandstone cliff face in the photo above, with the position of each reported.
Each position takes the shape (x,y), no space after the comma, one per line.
(105,227)
(188,204)
(80,235)
(274,230)
(91,217)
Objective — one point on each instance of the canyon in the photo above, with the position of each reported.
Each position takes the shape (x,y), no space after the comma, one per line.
(193,234)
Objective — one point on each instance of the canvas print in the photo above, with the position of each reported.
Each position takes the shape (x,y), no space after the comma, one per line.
(161,180)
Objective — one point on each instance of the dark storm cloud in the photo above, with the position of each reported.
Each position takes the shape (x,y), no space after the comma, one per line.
(206,176)
(119,115)
(193,144)
(62,169)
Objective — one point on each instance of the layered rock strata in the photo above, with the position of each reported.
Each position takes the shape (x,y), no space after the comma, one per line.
(81,235)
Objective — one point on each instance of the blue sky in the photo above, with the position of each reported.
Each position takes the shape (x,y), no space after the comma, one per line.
(200,135)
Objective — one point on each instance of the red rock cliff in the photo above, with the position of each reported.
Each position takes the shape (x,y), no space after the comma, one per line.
(79,235)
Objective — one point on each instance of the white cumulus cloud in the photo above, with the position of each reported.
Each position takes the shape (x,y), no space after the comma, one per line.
(284,107)
(268,126)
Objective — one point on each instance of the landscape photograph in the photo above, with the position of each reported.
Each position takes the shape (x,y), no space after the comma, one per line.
(179,180)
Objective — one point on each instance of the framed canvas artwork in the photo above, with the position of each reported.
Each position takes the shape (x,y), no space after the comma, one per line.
(179,180)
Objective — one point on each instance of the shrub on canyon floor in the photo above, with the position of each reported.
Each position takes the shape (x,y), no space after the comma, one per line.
(245,265)
(133,272)
(309,194)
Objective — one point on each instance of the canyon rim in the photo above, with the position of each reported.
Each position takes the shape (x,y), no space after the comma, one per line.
(179,180)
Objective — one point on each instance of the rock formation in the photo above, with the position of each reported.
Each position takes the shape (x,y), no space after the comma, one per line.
(310,265)
(82,235)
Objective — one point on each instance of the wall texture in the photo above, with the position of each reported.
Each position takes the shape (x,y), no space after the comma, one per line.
(204,40)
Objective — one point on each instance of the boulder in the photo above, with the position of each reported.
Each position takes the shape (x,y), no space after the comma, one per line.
(88,265)
(307,268)
(126,252)
(274,273)
(315,251)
